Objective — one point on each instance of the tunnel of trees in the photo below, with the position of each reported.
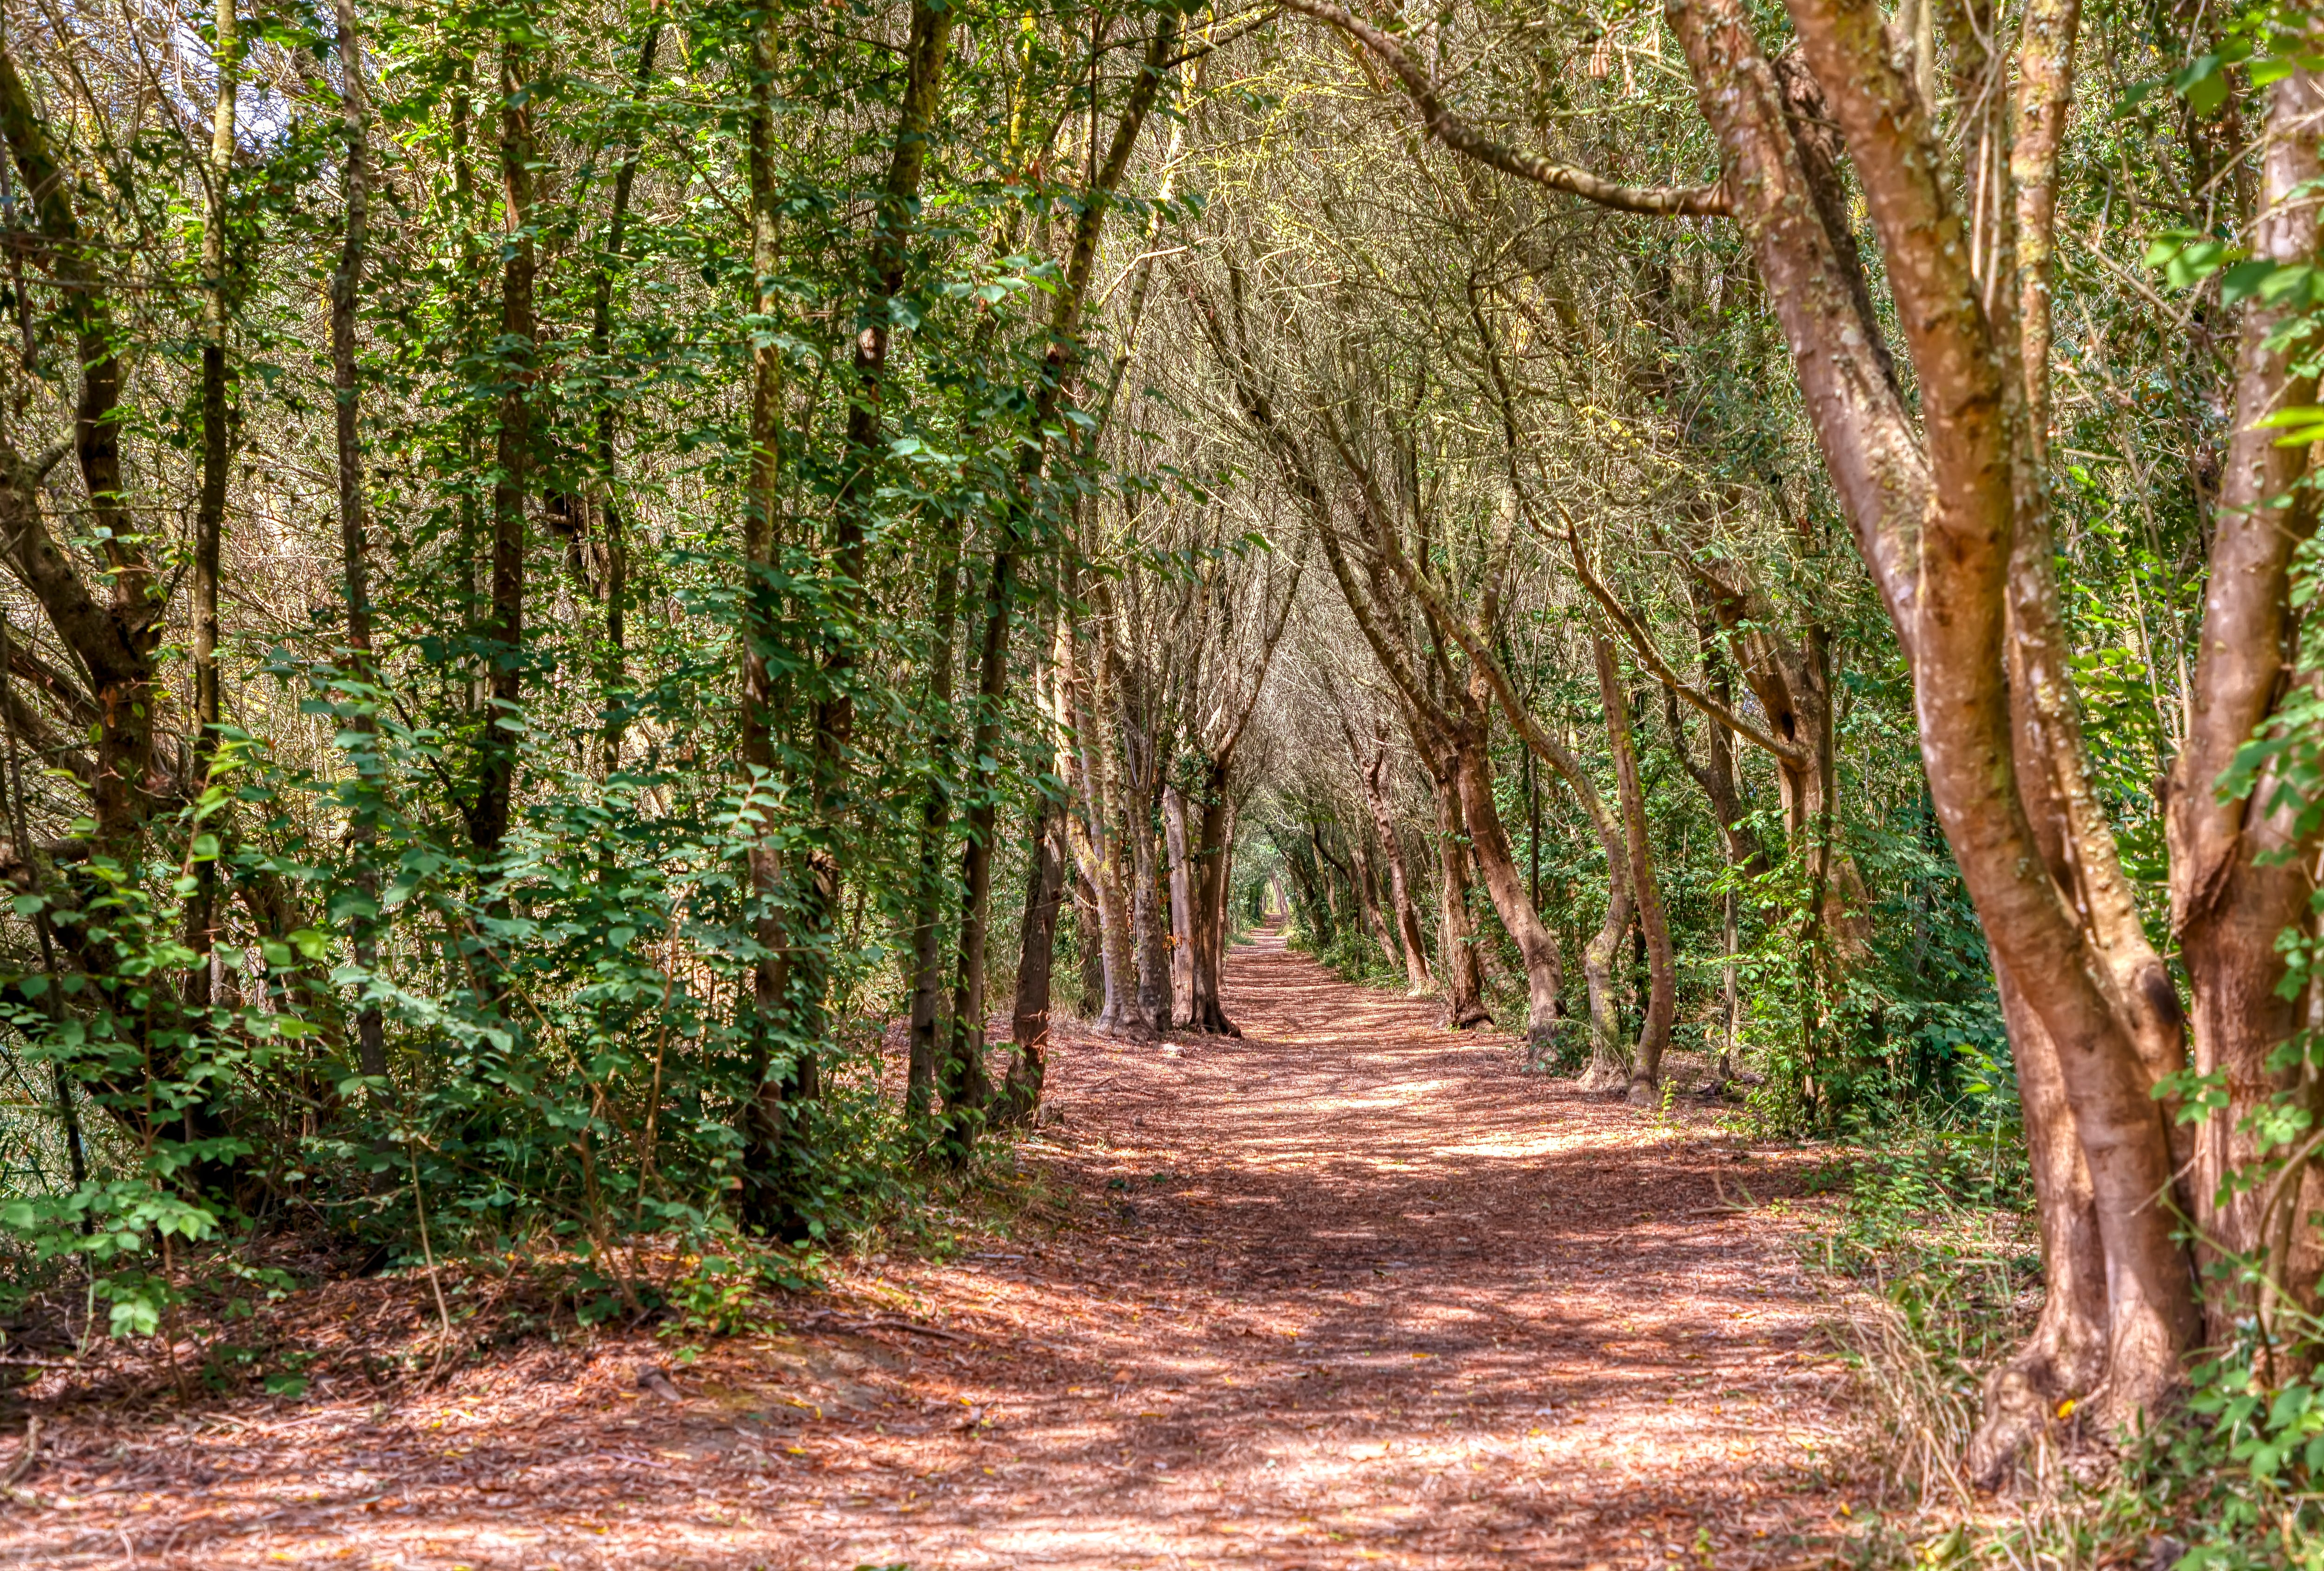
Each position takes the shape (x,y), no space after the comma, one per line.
(582,579)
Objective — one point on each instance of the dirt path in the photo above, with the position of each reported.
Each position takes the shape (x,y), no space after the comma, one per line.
(1351,1290)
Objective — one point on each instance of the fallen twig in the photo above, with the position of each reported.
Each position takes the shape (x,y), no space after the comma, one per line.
(23,1464)
(883,1323)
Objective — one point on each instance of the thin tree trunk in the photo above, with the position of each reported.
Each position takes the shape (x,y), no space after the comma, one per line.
(778,1069)
(1149,918)
(1488,844)
(1372,772)
(209,509)
(1029,1027)
(927,1025)
(1653,924)
(613,676)
(1091,979)
(834,718)
(1368,903)
(1212,889)
(1064,326)
(1182,908)
(1464,982)
(513,463)
(346,283)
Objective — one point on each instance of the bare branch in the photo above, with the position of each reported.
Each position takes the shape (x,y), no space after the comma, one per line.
(1656,201)
(1643,646)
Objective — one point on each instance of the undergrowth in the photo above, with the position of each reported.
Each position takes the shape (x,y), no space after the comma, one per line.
(1938,1234)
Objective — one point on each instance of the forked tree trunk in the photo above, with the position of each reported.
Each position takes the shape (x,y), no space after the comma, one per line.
(1936,520)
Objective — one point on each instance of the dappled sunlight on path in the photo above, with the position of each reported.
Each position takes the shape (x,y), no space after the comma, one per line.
(1350,1290)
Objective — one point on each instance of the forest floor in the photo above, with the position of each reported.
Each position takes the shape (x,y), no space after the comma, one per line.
(1350,1290)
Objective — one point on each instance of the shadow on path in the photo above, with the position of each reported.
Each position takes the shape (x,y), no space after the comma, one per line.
(1351,1290)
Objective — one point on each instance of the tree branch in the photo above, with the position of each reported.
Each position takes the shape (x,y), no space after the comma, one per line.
(1643,646)
(1455,133)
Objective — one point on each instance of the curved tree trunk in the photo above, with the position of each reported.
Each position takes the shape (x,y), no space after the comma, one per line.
(1372,772)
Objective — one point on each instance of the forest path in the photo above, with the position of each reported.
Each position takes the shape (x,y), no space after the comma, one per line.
(1350,1290)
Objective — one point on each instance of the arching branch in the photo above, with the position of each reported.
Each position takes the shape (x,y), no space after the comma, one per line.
(1643,649)
(1656,201)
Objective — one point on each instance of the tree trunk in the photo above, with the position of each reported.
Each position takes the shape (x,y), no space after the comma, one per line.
(1029,1025)
(1717,779)
(780,1069)
(966,1061)
(209,508)
(926,1024)
(1938,542)
(1148,920)
(512,465)
(1086,948)
(1372,772)
(1505,883)
(2241,869)
(1464,982)
(1210,892)
(1182,909)
(2066,1354)
(346,283)
(1095,833)
(1367,901)
(613,673)
(1653,924)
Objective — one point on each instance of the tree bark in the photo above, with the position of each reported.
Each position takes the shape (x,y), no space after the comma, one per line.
(1048,399)
(2241,872)
(1654,923)
(782,1071)
(209,507)
(1463,979)
(513,463)
(1372,772)
(1029,1027)
(1211,846)
(1944,569)
(927,1023)
(1182,908)
(346,284)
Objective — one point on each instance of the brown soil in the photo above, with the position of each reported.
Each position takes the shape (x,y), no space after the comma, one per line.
(1352,1291)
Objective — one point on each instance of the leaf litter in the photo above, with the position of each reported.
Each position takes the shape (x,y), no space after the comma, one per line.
(1351,1289)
